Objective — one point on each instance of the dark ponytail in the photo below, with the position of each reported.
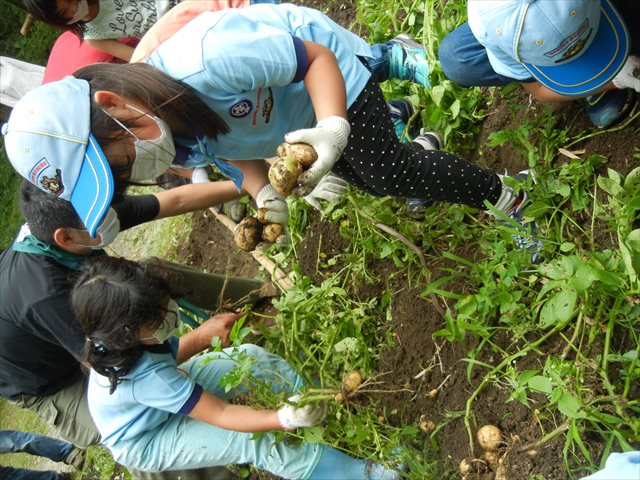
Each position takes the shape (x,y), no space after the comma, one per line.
(112,298)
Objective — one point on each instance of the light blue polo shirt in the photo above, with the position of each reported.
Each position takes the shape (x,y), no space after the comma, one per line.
(153,390)
(248,65)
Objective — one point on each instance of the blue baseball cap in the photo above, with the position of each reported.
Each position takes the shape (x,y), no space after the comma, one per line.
(49,142)
(572,47)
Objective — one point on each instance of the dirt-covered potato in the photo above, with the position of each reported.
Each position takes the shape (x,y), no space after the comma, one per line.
(261,215)
(490,437)
(283,175)
(248,233)
(352,381)
(271,232)
(303,153)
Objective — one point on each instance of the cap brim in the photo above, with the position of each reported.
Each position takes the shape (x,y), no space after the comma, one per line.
(597,66)
(93,191)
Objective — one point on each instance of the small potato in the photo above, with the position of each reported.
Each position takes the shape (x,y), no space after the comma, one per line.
(491,457)
(261,215)
(248,233)
(465,467)
(283,175)
(490,437)
(303,153)
(271,232)
(426,425)
(339,397)
(352,381)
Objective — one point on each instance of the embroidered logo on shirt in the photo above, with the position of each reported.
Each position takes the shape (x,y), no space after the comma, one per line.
(241,109)
(267,107)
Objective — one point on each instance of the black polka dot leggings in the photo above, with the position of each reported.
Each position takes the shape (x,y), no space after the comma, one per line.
(376,162)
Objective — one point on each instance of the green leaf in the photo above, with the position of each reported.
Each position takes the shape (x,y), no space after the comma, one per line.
(569,406)
(540,384)
(455,108)
(559,308)
(567,247)
(437,93)
(314,434)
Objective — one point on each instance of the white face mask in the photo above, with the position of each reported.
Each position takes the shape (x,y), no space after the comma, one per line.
(153,157)
(82,11)
(107,231)
(169,325)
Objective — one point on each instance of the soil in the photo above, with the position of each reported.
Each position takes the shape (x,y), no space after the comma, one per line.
(421,362)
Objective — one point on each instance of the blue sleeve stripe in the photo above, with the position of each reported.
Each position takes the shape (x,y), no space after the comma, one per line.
(191,401)
(301,57)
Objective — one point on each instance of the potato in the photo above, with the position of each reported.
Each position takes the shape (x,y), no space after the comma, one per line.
(339,397)
(465,467)
(283,175)
(302,153)
(248,233)
(261,215)
(352,381)
(271,232)
(491,457)
(490,437)
(426,425)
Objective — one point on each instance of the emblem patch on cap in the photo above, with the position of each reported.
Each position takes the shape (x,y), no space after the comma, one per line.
(53,185)
(573,44)
(241,109)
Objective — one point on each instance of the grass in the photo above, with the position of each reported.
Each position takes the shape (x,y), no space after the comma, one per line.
(34,48)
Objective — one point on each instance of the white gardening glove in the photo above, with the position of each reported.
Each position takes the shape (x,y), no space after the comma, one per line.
(292,417)
(330,188)
(629,76)
(328,138)
(200,175)
(278,212)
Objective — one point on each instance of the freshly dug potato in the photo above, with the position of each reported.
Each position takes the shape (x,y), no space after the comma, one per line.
(283,175)
(352,381)
(426,424)
(271,232)
(490,437)
(248,233)
(339,397)
(491,457)
(261,215)
(302,153)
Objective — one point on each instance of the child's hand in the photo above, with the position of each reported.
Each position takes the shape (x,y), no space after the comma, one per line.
(292,417)
(217,326)
(328,138)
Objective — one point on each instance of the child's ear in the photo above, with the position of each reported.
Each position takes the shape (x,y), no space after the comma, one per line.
(62,238)
(108,100)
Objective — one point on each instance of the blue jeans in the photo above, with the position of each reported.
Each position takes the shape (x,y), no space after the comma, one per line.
(464,61)
(12,441)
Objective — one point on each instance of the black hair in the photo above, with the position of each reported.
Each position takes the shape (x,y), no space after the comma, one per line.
(45,213)
(46,11)
(164,97)
(113,298)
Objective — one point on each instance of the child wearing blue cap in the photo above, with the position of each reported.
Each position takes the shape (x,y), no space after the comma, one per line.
(160,406)
(227,89)
(557,50)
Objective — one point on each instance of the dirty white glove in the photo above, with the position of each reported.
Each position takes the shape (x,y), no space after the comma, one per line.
(629,76)
(275,204)
(328,138)
(330,188)
(200,175)
(292,417)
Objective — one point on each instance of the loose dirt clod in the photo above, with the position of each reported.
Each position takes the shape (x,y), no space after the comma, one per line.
(248,233)
(490,437)
(283,175)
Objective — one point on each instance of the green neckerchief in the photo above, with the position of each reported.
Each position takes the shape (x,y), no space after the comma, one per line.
(30,244)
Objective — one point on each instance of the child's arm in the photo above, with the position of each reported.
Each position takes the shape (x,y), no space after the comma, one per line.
(240,418)
(327,90)
(189,198)
(200,339)
(113,47)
